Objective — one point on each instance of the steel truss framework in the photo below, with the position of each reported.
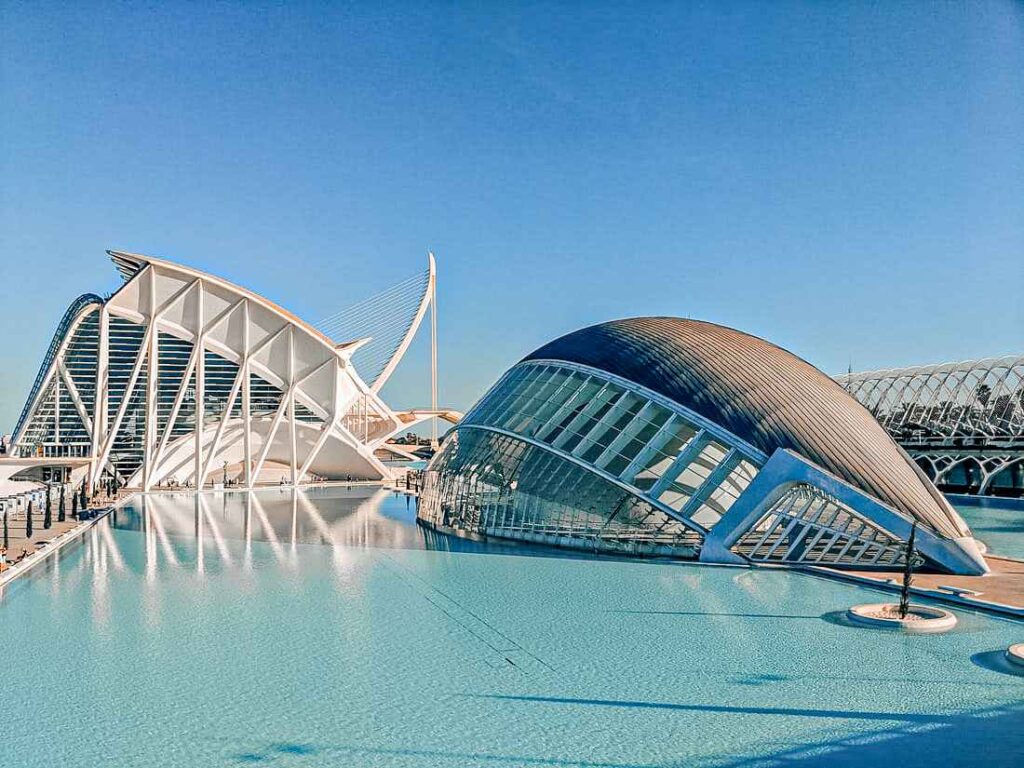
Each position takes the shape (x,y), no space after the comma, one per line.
(181,376)
(569,455)
(963,423)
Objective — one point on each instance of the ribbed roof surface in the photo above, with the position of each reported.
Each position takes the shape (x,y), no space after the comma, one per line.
(764,395)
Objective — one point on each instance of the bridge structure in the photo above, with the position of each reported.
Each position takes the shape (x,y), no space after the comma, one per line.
(962,423)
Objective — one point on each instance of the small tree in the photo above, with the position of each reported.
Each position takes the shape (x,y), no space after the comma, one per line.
(60,505)
(83,500)
(48,513)
(28,522)
(908,573)
(74,506)
(7,541)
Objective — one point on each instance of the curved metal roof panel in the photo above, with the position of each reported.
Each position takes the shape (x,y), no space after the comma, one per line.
(765,395)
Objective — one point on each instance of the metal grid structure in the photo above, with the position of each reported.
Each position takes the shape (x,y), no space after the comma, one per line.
(495,484)
(807,525)
(963,423)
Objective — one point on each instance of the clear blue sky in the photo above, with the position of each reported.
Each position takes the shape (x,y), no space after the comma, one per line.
(844,180)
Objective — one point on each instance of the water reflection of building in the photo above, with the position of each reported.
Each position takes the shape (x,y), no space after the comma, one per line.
(963,423)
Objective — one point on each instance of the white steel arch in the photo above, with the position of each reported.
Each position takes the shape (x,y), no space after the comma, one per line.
(963,421)
(937,403)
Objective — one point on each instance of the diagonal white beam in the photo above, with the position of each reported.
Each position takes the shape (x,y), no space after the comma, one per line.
(278,415)
(246,395)
(76,398)
(108,443)
(328,425)
(225,417)
(179,398)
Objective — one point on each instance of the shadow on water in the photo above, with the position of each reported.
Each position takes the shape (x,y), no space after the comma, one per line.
(996,661)
(353,756)
(727,709)
(992,737)
(712,614)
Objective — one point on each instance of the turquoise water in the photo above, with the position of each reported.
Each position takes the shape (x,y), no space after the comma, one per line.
(997,522)
(327,629)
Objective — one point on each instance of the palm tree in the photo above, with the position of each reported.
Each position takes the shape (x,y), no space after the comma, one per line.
(28,522)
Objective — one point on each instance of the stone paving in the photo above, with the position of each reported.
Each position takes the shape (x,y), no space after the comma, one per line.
(19,546)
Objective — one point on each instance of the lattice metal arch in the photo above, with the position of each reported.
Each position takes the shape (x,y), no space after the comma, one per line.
(976,399)
(963,423)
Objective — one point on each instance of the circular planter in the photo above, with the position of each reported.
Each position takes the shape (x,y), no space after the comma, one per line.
(920,620)
(1015,655)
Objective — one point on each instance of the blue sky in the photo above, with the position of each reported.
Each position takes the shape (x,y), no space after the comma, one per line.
(844,180)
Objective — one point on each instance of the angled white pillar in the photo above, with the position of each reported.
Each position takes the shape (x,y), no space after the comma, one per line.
(200,389)
(179,398)
(140,359)
(246,396)
(291,405)
(152,387)
(99,424)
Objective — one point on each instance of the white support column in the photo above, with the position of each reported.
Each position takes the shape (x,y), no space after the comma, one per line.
(99,424)
(222,425)
(76,398)
(291,405)
(108,442)
(200,381)
(56,407)
(433,352)
(246,397)
(152,387)
(328,423)
(271,434)
(179,398)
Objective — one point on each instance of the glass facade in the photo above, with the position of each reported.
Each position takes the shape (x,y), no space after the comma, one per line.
(496,485)
(57,425)
(584,457)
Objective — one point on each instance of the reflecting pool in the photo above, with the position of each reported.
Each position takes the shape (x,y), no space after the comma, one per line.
(997,522)
(326,628)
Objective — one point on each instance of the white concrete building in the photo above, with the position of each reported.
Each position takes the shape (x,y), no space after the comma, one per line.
(183,377)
